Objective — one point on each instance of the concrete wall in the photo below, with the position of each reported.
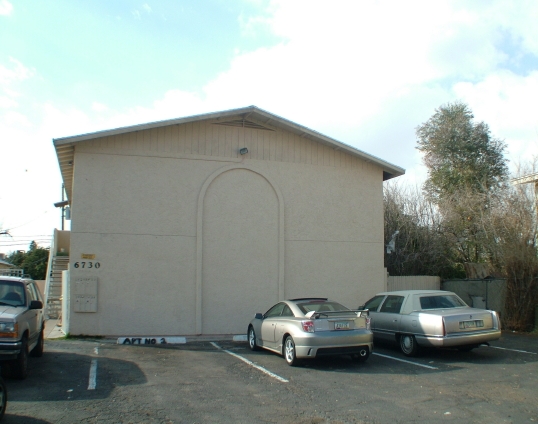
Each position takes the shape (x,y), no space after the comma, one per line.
(41,286)
(62,242)
(192,238)
(484,294)
(416,282)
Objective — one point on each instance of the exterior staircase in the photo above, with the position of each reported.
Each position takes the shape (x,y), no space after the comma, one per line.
(57,264)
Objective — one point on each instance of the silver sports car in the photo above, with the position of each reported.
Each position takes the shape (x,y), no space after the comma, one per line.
(434,318)
(311,327)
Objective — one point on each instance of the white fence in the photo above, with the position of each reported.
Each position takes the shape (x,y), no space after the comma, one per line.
(415,282)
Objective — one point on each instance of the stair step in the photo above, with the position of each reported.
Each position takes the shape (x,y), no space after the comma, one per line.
(54,296)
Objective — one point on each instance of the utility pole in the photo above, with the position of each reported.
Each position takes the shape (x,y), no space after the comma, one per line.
(62,205)
(527,179)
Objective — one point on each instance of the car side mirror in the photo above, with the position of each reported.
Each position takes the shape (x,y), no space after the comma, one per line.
(36,304)
(258,316)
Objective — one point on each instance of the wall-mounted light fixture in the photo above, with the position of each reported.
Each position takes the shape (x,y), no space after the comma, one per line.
(243,151)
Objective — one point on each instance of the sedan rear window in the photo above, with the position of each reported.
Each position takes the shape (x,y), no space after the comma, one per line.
(441,302)
(318,306)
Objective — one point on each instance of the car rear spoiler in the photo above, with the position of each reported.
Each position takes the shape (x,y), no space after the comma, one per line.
(317,315)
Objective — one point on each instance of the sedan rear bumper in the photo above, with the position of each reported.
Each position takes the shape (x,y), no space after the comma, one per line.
(460,339)
(333,343)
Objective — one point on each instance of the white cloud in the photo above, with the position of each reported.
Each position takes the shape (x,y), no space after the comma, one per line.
(16,72)
(145,9)
(508,104)
(7,102)
(10,77)
(99,107)
(6,8)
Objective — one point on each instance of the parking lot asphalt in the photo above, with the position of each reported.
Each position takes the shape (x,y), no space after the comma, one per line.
(100,381)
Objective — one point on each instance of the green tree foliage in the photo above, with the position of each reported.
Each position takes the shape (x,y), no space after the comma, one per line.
(466,170)
(460,154)
(34,261)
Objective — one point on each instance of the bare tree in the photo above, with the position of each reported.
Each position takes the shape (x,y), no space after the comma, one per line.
(499,228)
(413,236)
(512,241)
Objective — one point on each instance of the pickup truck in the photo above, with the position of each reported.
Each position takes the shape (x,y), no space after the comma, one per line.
(22,323)
(430,318)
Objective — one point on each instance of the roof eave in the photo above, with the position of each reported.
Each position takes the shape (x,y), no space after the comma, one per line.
(65,145)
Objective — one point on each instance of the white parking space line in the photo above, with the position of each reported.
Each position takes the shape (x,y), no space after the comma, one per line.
(252,364)
(513,350)
(92,383)
(407,362)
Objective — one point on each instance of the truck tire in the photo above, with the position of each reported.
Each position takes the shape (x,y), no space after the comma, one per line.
(3,398)
(20,365)
(37,351)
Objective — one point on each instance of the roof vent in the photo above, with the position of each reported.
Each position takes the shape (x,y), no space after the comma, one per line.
(244,123)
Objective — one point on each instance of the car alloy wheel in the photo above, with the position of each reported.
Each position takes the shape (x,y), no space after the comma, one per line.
(289,351)
(252,339)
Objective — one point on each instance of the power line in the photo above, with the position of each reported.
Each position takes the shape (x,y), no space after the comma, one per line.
(24,244)
(36,235)
(22,225)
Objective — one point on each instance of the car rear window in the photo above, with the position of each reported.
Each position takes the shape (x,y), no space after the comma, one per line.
(321,306)
(441,302)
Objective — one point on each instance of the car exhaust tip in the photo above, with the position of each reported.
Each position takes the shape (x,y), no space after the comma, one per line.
(363,352)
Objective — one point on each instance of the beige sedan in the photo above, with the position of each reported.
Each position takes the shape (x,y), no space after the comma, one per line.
(311,327)
(430,318)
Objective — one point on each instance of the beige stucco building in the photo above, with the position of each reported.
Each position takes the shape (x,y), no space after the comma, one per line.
(190,226)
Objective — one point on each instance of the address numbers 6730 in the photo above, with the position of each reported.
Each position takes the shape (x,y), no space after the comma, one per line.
(87,264)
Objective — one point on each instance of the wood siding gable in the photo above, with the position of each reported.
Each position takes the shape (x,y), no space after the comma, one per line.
(213,140)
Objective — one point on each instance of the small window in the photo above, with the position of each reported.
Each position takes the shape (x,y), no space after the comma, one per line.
(392,304)
(287,312)
(275,311)
(373,303)
(33,291)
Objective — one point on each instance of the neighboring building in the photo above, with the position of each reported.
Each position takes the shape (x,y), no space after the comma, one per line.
(190,226)
(4,264)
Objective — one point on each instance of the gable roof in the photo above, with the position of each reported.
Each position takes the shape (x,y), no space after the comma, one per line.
(251,117)
(4,264)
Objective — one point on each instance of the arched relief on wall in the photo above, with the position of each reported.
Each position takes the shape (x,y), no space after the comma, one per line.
(200,238)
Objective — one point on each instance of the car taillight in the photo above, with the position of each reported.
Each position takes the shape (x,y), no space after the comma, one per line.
(368,319)
(308,326)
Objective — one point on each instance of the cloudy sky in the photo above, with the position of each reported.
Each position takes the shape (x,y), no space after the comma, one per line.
(366,73)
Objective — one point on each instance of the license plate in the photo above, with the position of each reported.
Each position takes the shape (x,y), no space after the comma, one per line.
(471,324)
(341,325)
